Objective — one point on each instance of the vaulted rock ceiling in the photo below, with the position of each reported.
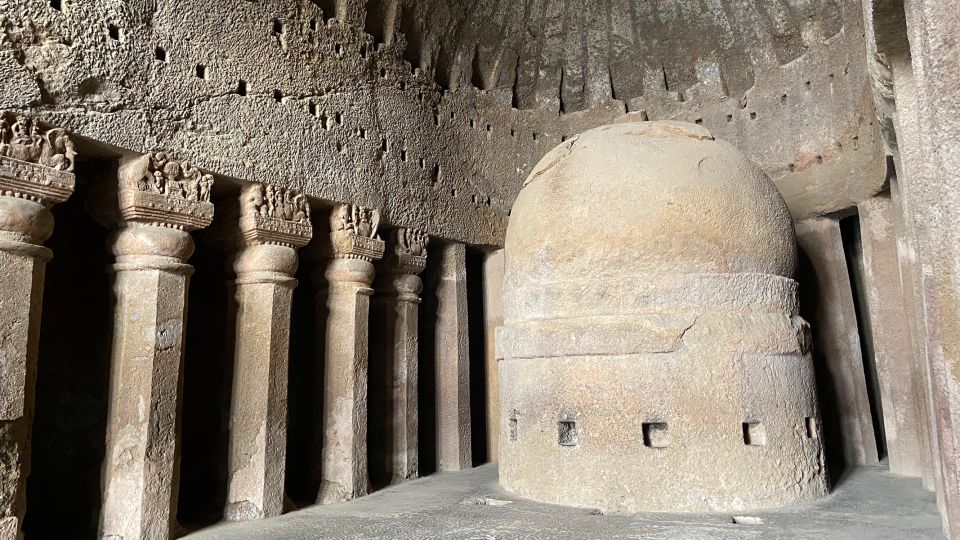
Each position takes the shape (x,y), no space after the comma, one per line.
(571,54)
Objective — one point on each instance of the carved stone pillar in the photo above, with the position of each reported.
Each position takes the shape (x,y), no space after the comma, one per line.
(492,318)
(343,295)
(454,452)
(272,224)
(34,175)
(153,206)
(396,304)
(892,339)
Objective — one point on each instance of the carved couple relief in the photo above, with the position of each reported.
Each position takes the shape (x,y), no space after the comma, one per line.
(173,178)
(411,242)
(34,164)
(274,215)
(354,233)
(24,141)
(356,220)
(276,202)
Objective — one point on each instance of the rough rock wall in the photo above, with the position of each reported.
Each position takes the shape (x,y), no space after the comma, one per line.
(299,94)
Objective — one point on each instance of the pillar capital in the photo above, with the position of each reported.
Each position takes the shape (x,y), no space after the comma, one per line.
(353,235)
(261,231)
(406,258)
(406,252)
(36,172)
(35,164)
(156,190)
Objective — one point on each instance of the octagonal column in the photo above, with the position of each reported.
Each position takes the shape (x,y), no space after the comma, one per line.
(454,451)
(397,301)
(343,294)
(34,175)
(153,206)
(263,239)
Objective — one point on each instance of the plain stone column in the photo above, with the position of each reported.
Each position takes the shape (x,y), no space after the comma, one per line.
(397,303)
(836,336)
(264,261)
(493,318)
(27,190)
(344,295)
(452,366)
(892,340)
(152,214)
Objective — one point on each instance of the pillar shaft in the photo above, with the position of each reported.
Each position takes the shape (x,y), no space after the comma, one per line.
(35,174)
(396,304)
(892,339)
(142,422)
(21,293)
(836,336)
(156,201)
(264,262)
(344,295)
(454,450)
(493,317)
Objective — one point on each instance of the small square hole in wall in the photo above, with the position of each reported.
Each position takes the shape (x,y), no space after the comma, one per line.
(277,96)
(312,107)
(362,133)
(754,434)
(56,4)
(160,54)
(567,433)
(753,116)
(338,118)
(313,25)
(656,435)
(277,27)
(403,155)
(241,87)
(729,118)
(810,423)
(201,72)
(535,135)
(114,31)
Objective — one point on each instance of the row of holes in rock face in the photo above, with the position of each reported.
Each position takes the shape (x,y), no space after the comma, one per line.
(657,434)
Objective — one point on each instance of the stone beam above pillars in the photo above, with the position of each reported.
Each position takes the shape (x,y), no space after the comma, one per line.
(152,205)
(394,411)
(452,362)
(262,234)
(35,174)
(343,276)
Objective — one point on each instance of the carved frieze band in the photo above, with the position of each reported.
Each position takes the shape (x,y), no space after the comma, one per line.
(408,251)
(158,190)
(35,164)
(274,215)
(354,233)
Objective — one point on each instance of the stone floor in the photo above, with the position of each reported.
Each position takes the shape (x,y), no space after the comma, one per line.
(869,503)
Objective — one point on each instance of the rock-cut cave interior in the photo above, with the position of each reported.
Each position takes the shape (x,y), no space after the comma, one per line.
(463,269)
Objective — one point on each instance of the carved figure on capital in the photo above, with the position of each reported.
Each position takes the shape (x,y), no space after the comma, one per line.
(411,242)
(24,141)
(357,220)
(408,251)
(35,164)
(278,203)
(354,233)
(173,178)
